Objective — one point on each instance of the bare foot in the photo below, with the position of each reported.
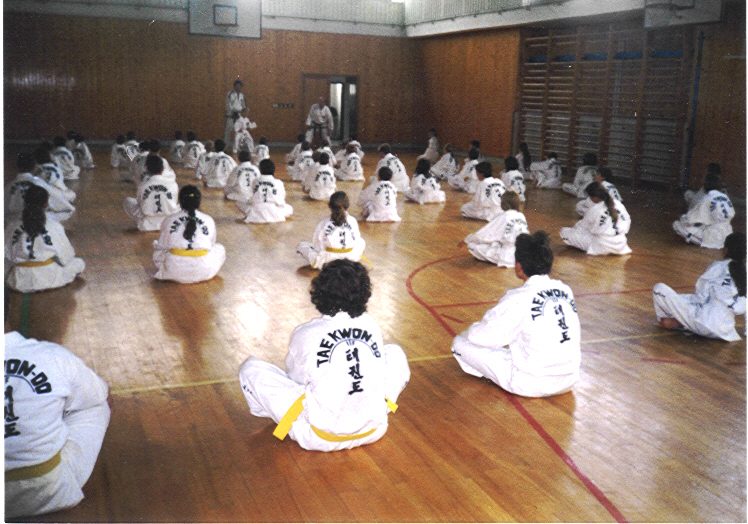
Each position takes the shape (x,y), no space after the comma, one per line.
(670,323)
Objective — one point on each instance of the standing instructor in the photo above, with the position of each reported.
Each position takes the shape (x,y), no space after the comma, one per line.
(319,122)
(235,103)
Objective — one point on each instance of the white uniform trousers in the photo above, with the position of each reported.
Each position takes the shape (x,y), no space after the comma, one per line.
(50,276)
(270,392)
(496,366)
(61,487)
(188,269)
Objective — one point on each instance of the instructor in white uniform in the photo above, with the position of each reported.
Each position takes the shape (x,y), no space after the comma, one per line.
(235,103)
(341,380)
(320,121)
(56,414)
(529,344)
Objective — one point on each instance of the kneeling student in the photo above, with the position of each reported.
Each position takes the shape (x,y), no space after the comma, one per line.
(53,429)
(379,199)
(603,229)
(528,344)
(486,202)
(719,296)
(335,237)
(38,249)
(268,202)
(494,242)
(156,199)
(187,250)
(341,380)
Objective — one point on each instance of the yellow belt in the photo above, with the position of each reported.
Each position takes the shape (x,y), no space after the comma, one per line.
(31,472)
(284,426)
(338,249)
(36,263)
(188,252)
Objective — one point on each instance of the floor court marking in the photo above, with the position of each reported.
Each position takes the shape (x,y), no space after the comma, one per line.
(514,401)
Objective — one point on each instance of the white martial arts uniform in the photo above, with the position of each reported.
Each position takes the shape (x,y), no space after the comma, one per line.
(219,169)
(187,261)
(340,375)
(268,202)
(707,224)
(596,234)
(432,150)
(137,167)
(300,167)
(331,157)
(261,153)
(293,154)
(350,168)
(192,152)
(235,102)
(203,162)
(399,175)
(58,205)
(119,157)
(65,159)
(323,185)
(176,152)
(52,174)
(308,174)
(584,205)
(692,197)
(547,174)
(465,179)
(47,261)
(243,140)
(445,167)
(132,148)
(379,202)
(319,118)
(240,182)
(710,311)
(56,415)
(425,190)
(584,176)
(514,181)
(494,242)
(83,157)
(331,242)
(486,202)
(157,199)
(529,344)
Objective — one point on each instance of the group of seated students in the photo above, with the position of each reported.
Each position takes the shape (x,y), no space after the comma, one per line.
(325,399)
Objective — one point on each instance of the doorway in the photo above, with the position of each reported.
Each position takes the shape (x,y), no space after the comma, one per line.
(340,91)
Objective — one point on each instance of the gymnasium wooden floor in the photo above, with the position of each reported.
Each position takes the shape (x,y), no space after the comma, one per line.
(654,431)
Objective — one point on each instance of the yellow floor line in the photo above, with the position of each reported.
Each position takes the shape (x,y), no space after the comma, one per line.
(146,389)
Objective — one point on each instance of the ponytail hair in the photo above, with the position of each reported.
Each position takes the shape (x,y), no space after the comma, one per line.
(189,199)
(34,217)
(735,251)
(597,190)
(526,157)
(339,205)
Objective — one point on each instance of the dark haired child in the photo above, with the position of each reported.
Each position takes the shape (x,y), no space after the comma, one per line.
(486,202)
(547,174)
(338,395)
(296,151)
(242,178)
(59,206)
(219,167)
(82,153)
(495,241)
(708,223)
(268,202)
(529,343)
(603,176)
(446,166)
(262,151)
(64,158)
(51,173)
(335,237)
(187,251)
(303,163)
(466,179)
(524,161)
(603,228)
(176,150)
(37,247)
(584,176)
(718,297)
(432,148)
(350,166)
(322,184)
(513,178)
(424,188)
(156,198)
(389,160)
(193,150)
(379,200)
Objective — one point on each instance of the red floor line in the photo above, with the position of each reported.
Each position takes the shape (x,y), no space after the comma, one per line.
(537,426)
(591,486)
(453,319)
